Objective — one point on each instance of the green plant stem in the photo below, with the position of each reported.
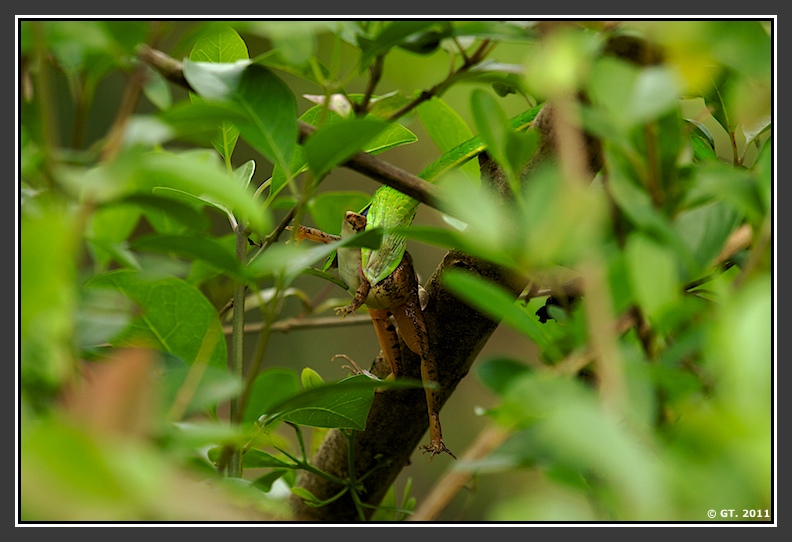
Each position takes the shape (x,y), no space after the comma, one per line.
(236,362)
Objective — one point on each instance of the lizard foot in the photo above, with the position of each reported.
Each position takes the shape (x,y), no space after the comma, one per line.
(344,311)
(354,368)
(435,448)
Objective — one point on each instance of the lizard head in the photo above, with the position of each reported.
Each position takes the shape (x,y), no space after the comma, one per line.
(353,222)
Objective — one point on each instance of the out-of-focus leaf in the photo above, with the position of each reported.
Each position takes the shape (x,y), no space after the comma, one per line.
(631,95)
(197,247)
(310,378)
(399,33)
(653,273)
(706,228)
(214,386)
(176,317)
(200,179)
(498,373)
(271,387)
(327,208)
(491,299)
(334,144)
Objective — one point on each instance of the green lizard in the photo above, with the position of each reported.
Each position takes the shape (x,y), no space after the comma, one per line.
(384,280)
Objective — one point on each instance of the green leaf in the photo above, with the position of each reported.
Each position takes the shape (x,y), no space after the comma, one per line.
(447,129)
(215,80)
(201,179)
(510,149)
(291,260)
(271,386)
(393,135)
(310,378)
(221,44)
(342,405)
(176,317)
(327,208)
(631,95)
(491,299)
(498,373)
(334,144)
(218,43)
(271,127)
(244,173)
(398,33)
(256,459)
(306,495)
(195,247)
(653,274)
(111,225)
(705,229)
(270,111)
(214,386)
(295,41)
(157,90)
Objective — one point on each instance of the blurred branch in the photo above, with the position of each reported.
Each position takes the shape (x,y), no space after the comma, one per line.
(488,440)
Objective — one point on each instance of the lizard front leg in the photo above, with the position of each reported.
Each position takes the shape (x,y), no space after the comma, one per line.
(361,294)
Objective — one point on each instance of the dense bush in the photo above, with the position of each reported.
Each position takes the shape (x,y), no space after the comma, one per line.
(161,161)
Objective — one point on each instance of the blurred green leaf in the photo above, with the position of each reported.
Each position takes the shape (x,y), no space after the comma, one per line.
(194,247)
(493,300)
(176,317)
(633,95)
(413,35)
(653,272)
(310,378)
(706,229)
(327,208)
(213,387)
(257,459)
(498,373)
(201,179)
(334,144)
(272,386)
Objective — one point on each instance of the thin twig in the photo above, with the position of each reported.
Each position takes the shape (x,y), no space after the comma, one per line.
(489,439)
(292,324)
(440,87)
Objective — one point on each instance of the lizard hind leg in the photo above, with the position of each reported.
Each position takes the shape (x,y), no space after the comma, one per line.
(413,330)
(388,339)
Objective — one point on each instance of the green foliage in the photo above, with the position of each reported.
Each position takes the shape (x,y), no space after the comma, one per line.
(650,398)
